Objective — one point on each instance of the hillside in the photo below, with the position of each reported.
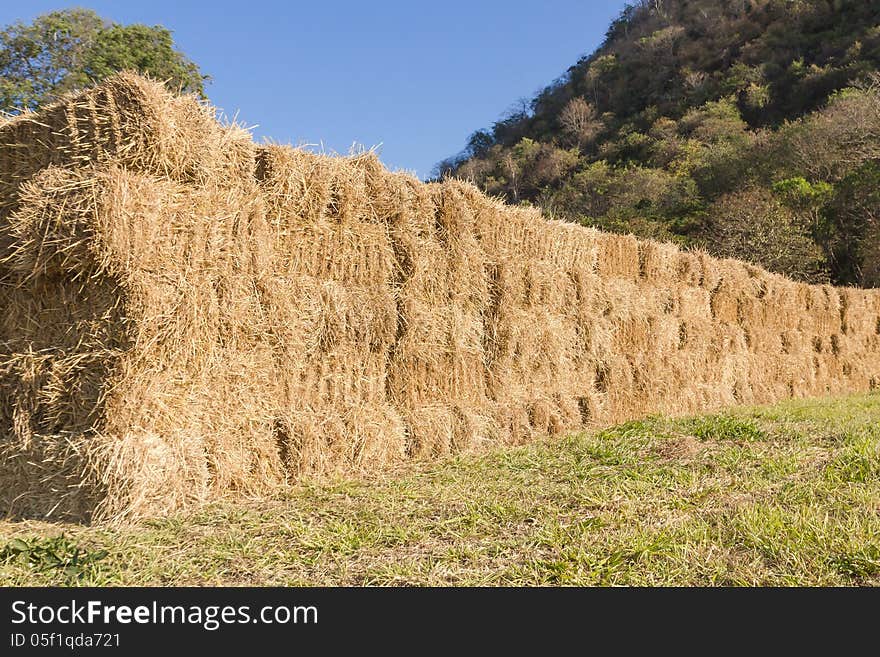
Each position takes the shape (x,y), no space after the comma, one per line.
(748,127)
(781,495)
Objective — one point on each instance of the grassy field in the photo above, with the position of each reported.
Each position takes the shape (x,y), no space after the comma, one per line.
(779,495)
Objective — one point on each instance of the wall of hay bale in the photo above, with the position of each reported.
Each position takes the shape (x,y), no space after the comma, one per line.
(186,315)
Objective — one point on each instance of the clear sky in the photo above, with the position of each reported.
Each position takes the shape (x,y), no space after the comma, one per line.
(415,77)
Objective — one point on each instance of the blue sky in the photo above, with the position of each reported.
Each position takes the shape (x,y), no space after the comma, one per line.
(415,77)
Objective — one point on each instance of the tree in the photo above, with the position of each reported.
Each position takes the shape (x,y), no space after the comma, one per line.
(579,122)
(827,144)
(807,200)
(46,57)
(479,142)
(855,240)
(754,225)
(65,50)
(146,49)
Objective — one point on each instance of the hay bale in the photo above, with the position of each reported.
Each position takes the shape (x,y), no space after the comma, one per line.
(129,120)
(689,269)
(340,439)
(438,429)
(618,257)
(661,263)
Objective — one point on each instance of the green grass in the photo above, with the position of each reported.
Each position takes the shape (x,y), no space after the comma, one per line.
(780,495)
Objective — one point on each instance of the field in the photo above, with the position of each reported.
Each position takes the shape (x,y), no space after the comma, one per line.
(776,495)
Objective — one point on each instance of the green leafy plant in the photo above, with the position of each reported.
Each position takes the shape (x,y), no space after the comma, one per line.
(52,555)
(725,427)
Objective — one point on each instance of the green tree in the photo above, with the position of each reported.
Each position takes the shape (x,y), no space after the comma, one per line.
(146,49)
(64,50)
(807,200)
(752,224)
(855,242)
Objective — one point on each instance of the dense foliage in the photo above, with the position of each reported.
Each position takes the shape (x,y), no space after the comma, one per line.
(748,127)
(69,49)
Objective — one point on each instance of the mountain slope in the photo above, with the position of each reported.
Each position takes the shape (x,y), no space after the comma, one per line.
(749,127)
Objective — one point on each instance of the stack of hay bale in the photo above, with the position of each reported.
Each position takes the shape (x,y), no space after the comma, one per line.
(188,315)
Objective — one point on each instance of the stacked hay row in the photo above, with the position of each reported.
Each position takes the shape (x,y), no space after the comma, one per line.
(186,315)
(330,311)
(128,224)
(134,296)
(437,367)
